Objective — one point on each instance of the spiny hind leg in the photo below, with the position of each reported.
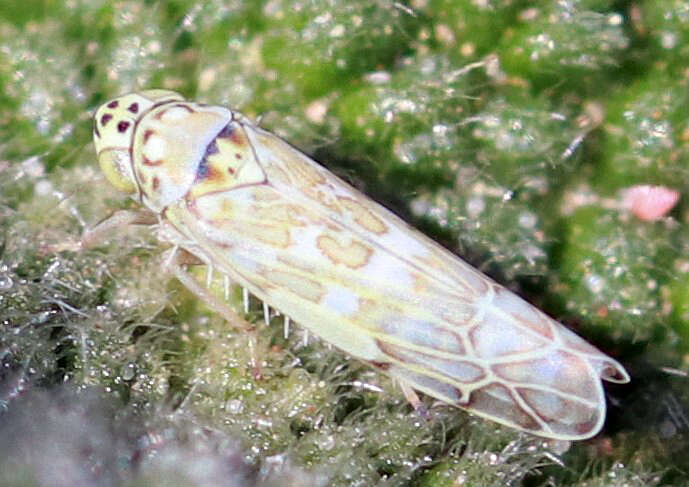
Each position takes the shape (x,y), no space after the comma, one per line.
(174,261)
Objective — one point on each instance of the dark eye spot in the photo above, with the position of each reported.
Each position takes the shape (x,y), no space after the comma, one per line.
(122,127)
(134,108)
(105,119)
(113,104)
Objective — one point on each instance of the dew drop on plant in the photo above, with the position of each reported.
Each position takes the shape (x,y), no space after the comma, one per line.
(6,282)
(128,371)
(234,406)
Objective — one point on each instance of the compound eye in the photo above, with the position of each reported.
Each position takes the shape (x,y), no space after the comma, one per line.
(113,135)
(116,165)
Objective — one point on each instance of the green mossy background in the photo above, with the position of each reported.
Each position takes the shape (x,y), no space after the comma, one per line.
(503,129)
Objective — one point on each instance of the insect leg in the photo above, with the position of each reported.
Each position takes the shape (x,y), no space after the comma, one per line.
(174,260)
(209,275)
(413,398)
(226,287)
(285,327)
(174,265)
(99,233)
(266,313)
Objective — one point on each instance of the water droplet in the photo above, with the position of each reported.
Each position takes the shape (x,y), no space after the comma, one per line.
(595,283)
(128,371)
(264,422)
(326,442)
(527,219)
(475,206)
(6,282)
(668,40)
(234,406)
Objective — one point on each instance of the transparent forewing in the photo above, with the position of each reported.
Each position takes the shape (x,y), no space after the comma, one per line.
(359,277)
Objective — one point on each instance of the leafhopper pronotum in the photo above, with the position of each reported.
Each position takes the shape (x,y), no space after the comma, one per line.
(241,200)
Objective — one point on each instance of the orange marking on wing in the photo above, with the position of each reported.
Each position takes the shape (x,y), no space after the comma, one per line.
(306,175)
(270,234)
(363,216)
(304,287)
(354,255)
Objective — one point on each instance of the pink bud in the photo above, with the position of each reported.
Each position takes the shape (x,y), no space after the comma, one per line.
(649,203)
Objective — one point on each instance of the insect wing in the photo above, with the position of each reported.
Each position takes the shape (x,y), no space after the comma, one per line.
(356,275)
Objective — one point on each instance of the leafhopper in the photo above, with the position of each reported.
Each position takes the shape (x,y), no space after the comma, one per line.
(230,195)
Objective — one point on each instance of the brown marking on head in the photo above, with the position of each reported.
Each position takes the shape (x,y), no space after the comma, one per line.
(156,183)
(105,119)
(159,115)
(147,162)
(185,106)
(113,104)
(133,108)
(232,132)
(164,111)
(147,134)
(213,174)
(123,126)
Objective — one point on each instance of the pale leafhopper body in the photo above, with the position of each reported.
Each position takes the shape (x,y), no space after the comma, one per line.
(248,204)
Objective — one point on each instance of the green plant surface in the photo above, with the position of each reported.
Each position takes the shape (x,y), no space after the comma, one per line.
(506,130)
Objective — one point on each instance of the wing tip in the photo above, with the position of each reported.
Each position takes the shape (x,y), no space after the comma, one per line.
(612,371)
